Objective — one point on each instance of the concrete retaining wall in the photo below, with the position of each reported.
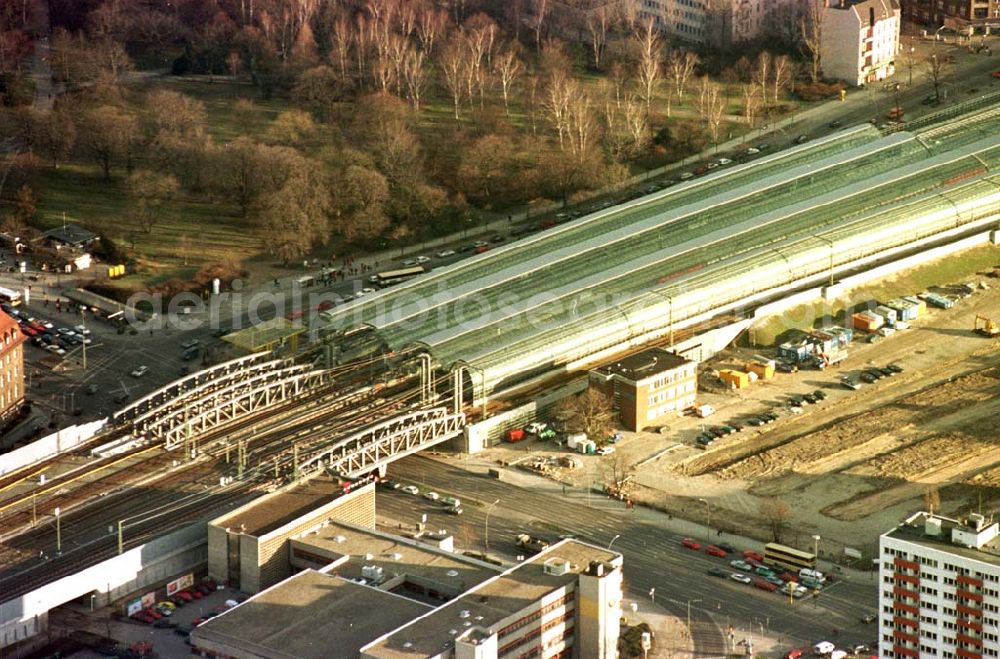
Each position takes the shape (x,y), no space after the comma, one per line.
(115,578)
(40,449)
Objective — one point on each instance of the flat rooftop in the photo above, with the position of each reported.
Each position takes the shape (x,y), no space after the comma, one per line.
(643,364)
(396,556)
(276,510)
(490,602)
(988,553)
(310,615)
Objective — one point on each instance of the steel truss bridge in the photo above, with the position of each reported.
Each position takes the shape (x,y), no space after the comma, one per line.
(378,445)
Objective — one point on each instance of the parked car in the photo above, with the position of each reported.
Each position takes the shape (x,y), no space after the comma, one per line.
(850,382)
(751,555)
(444,253)
(764,584)
(690,543)
(140,371)
(729,549)
(724,161)
(741,565)
(819,394)
(742,578)
(713,550)
(777,581)
(868,378)
(605,450)
(764,571)
(895,368)
(875,373)
(411,489)
(432,496)
(754,421)
(390,485)
(453,510)
(717,572)
(190,343)
(422,259)
(184,595)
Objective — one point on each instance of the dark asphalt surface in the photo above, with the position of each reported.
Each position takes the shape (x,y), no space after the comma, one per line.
(654,557)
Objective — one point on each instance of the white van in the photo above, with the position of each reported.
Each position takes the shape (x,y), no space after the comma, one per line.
(806,573)
(823,648)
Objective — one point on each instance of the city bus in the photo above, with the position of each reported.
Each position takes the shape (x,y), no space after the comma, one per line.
(390,277)
(11,297)
(788,558)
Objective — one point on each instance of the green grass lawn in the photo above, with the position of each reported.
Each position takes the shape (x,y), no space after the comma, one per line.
(953,269)
(207,232)
(225,122)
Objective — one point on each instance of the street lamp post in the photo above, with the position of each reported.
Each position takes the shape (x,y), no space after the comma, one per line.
(486,534)
(708,520)
(816,540)
(613,540)
(58,533)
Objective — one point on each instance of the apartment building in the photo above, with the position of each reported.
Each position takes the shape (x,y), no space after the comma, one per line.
(860,40)
(963,16)
(648,387)
(939,590)
(719,23)
(11,367)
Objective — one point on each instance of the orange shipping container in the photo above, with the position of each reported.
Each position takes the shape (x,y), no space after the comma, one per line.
(763,371)
(737,379)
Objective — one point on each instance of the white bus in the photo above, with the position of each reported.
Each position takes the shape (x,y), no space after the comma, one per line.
(11,297)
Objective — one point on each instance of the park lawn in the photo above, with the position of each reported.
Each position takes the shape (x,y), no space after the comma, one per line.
(225,123)
(198,231)
(954,269)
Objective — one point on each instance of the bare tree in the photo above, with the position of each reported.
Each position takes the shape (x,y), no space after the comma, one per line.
(811,28)
(932,499)
(751,102)
(508,67)
(431,23)
(151,195)
(649,63)
(414,76)
(452,64)
(935,70)
(558,96)
(762,72)
(681,65)
(776,515)
(715,108)
(541,9)
(580,124)
(598,21)
(782,74)
(590,412)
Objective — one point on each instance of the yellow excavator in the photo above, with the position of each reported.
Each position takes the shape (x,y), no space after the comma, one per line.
(986,326)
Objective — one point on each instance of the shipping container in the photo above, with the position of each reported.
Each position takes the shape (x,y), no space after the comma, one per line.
(921,305)
(794,352)
(761,370)
(906,310)
(939,301)
(846,334)
(866,321)
(735,379)
(888,313)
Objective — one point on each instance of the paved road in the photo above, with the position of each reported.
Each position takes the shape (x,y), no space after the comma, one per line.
(654,557)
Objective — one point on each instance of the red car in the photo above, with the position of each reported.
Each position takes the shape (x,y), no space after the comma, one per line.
(751,555)
(796,653)
(996,74)
(184,595)
(764,584)
(712,550)
(788,576)
(27,331)
(482,248)
(195,593)
(690,544)
(153,613)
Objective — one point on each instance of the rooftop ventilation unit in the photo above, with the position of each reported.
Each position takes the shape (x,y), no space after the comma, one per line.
(339,539)
(932,526)
(372,572)
(556,566)
(976,521)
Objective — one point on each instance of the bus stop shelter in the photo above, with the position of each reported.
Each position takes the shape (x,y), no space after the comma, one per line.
(267,335)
